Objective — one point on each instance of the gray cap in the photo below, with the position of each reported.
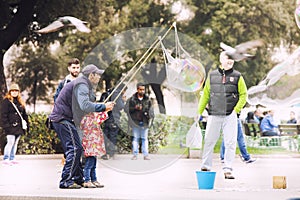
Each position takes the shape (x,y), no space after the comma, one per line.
(92,69)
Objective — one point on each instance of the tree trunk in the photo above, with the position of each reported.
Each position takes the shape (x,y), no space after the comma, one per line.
(3,87)
(14,27)
(11,29)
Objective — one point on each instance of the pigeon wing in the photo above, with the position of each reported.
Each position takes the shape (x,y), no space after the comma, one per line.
(54,26)
(229,50)
(78,24)
(244,47)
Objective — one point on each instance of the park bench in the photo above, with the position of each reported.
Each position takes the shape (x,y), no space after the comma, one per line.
(254,136)
(289,129)
(290,132)
(251,129)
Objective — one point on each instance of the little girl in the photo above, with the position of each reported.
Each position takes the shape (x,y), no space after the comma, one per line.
(93,145)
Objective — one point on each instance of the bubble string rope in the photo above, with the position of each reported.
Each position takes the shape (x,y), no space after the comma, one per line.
(153,47)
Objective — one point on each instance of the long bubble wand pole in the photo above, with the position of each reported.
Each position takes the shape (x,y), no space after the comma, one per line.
(153,47)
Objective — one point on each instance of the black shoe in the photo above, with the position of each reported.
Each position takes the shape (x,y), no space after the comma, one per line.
(203,169)
(73,186)
(104,157)
(251,160)
(79,183)
(228,175)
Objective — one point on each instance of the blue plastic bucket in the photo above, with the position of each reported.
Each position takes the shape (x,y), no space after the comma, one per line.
(206,180)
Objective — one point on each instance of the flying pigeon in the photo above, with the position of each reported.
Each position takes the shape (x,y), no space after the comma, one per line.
(65,21)
(239,52)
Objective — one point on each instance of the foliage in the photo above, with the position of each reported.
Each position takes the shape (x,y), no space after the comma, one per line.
(39,140)
(234,22)
(20,18)
(164,137)
(40,70)
(230,21)
(165,131)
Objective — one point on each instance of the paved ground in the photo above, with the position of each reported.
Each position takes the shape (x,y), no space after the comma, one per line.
(163,177)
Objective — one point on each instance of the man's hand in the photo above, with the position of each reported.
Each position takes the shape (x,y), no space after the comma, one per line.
(109,106)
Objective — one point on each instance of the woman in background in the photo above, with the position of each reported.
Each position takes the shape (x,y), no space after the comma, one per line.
(13,112)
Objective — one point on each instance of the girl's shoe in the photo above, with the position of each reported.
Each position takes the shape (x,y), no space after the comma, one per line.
(97,184)
(89,185)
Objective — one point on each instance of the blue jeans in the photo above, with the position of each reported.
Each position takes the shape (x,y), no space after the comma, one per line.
(11,147)
(240,141)
(140,132)
(71,144)
(90,169)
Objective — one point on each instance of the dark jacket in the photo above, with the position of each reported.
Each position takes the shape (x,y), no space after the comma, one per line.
(62,109)
(73,103)
(223,86)
(10,119)
(60,87)
(140,117)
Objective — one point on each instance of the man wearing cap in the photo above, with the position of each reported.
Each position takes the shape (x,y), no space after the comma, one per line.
(75,100)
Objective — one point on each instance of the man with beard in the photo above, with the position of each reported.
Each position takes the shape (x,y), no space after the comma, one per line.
(74,69)
(140,112)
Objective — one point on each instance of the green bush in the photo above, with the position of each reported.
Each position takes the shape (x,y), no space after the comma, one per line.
(39,139)
(165,130)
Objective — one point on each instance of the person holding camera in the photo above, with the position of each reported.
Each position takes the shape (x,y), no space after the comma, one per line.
(140,112)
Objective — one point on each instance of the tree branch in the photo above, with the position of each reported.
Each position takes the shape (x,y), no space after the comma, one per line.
(17,24)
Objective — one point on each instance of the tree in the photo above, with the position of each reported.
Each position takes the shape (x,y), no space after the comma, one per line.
(12,25)
(40,70)
(234,22)
(19,18)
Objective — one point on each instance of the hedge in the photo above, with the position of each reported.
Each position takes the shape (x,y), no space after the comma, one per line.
(41,140)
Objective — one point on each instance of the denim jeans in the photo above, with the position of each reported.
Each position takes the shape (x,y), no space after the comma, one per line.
(90,169)
(10,149)
(241,144)
(71,143)
(140,132)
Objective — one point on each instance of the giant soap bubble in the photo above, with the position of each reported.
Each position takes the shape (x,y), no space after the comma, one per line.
(297,13)
(179,105)
(185,74)
(281,87)
(297,16)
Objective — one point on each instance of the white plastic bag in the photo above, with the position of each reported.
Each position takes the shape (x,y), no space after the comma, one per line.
(194,136)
